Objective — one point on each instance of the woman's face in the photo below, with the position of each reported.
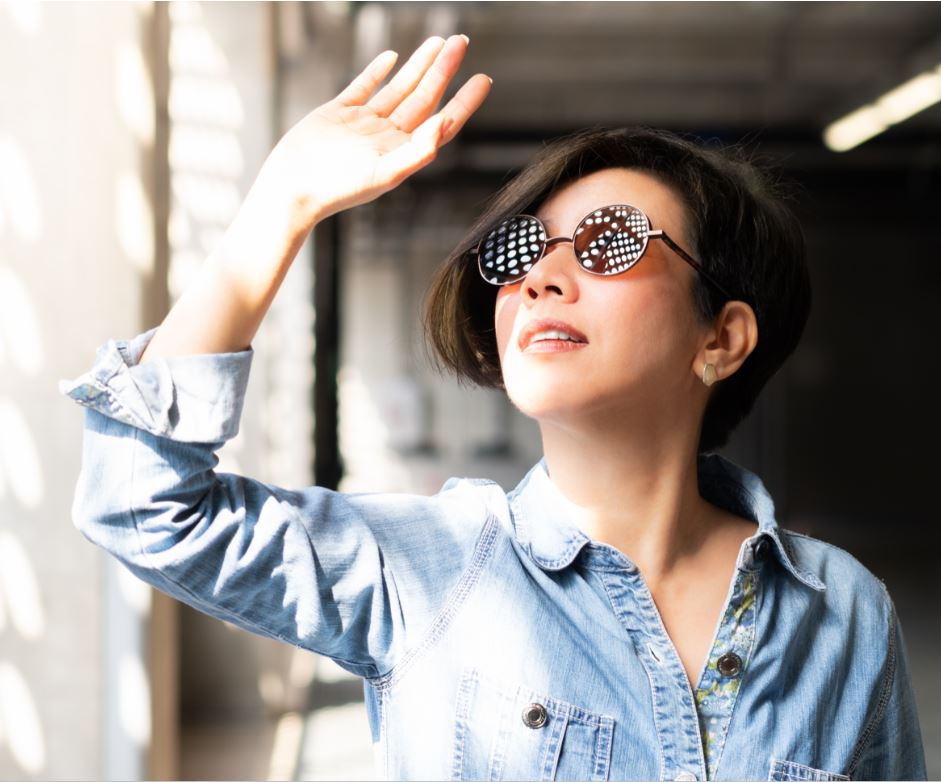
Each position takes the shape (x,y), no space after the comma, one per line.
(638,329)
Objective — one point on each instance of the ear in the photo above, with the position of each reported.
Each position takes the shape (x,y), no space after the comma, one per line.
(730,339)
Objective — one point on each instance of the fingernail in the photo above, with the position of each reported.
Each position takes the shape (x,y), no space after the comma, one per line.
(466,39)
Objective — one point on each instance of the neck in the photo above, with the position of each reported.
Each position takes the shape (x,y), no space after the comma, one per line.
(636,487)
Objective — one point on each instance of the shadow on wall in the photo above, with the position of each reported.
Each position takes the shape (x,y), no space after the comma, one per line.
(22,486)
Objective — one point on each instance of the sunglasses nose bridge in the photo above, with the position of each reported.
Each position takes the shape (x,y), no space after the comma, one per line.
(550,244)
(551,271)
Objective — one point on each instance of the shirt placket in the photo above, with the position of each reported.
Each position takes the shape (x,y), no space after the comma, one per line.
(674,707)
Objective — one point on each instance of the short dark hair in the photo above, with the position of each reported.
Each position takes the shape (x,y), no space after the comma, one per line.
(738,224)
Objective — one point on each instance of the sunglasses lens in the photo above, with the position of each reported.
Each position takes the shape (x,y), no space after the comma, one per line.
(509,251)
(611,240)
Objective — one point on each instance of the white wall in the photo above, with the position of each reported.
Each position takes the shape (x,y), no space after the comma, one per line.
(76,248)
(80,263)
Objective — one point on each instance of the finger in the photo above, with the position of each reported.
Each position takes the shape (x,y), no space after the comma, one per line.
(467,100)
(416,108)
(362,86)
(417,152)
(409,75)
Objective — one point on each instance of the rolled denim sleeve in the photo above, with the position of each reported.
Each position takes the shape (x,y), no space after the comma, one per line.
(894,749)
(209,389)
(357,577)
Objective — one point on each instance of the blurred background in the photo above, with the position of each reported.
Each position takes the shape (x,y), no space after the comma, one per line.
(130,132)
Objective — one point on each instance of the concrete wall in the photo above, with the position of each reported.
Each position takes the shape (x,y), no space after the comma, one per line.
(77,256)
(103,217)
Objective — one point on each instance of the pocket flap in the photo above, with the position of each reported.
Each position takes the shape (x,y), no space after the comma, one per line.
(789,771)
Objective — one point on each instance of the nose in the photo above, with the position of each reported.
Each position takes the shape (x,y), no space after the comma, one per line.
(552,275)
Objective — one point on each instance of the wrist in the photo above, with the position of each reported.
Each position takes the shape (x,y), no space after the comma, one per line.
(277,207)
(285,184)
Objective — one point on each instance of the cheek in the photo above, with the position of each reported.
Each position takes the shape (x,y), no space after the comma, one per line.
(507,305)
(647,326)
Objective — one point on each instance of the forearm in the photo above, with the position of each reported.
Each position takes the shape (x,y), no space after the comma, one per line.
(344,153)
(223,306)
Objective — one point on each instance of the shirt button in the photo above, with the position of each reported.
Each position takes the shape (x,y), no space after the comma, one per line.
(729,664)
(535,716)
(685,776)
(761,550)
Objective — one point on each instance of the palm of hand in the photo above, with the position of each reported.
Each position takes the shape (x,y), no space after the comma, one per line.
(356,140)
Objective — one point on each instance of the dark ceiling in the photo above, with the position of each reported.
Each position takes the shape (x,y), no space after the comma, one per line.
(740,65)
(778,72)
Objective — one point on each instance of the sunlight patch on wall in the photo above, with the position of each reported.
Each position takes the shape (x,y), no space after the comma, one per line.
(183,268)
(26,15)
(19,457)
(206,151)
(206,158)
(19,196)
(134,221)
(135,593)
(134,700)
(19,590)
(134,92)
(364,438)
(19,325)
(207,100)
(229,454)
(206,200)
(21,728)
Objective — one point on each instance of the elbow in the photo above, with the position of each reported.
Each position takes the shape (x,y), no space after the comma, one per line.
(134,526)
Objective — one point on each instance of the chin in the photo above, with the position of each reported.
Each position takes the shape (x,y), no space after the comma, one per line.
(554,395)
(541,401)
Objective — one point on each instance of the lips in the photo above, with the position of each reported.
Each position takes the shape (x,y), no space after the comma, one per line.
(535,327)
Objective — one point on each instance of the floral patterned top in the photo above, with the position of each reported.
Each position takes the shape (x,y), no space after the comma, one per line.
(718,687)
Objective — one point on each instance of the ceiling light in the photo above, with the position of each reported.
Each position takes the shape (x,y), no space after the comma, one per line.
(896,106)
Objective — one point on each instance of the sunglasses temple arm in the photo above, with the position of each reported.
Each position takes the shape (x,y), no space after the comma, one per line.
(689,259)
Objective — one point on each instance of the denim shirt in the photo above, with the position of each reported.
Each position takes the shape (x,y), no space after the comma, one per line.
(495,639)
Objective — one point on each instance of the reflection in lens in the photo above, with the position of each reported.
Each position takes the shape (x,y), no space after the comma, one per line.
(610,240)
(509,251)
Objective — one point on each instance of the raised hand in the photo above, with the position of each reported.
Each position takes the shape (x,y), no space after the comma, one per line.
(346,152)
(354,148)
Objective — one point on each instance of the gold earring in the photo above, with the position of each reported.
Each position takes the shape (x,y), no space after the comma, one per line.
(709,374)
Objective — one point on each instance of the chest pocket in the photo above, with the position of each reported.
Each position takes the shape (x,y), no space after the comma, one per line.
(789,771)
(515,733)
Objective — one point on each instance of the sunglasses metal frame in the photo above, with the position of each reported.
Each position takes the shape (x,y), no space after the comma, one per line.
(652,233)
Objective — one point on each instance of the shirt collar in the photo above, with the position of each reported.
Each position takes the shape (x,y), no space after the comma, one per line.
(543,518)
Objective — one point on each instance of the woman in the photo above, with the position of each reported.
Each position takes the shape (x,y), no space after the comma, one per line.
(637,615)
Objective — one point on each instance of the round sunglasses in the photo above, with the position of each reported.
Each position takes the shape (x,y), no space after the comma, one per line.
(607,241)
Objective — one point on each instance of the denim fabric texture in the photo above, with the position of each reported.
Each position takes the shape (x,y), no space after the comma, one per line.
(494,638)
